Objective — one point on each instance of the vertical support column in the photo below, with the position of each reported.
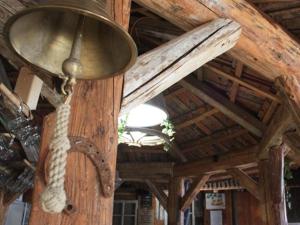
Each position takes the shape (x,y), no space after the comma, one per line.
(175,216)
(95,109)
(272,187)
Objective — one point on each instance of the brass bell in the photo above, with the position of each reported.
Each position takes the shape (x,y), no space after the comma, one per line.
(44,36)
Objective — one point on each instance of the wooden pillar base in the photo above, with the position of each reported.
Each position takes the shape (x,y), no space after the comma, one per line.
(272,187)
(175,193)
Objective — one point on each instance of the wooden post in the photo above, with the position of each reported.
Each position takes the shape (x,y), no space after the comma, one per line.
(272,187)
(3,208)
(95,109)
(175,192)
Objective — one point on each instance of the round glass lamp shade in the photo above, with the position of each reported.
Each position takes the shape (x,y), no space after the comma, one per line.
(137,138)
(145,115)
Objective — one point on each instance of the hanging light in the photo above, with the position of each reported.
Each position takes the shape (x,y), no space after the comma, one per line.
(140,124)
(149,114)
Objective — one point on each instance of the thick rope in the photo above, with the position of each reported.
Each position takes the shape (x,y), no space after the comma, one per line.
(53,199)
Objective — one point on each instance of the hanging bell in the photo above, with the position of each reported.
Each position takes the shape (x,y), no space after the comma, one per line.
(43,36)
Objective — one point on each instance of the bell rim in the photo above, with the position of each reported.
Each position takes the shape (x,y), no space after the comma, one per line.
(120,29)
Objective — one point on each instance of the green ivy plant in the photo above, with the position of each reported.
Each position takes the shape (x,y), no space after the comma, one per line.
(122,126)
(168,129)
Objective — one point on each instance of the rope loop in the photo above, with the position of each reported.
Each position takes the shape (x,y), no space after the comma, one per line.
(53,198)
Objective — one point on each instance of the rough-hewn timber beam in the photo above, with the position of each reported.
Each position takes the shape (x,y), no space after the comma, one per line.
(159,193)
(292,140)
(144,169)
(224,105)
(190,195)
(289,89)
(263,45)
(241,159)
(246,181)
(162,67)
(280,122)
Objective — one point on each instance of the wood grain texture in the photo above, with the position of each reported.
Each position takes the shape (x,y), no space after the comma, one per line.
(95,108)
(272,187)
(289,87)
(279,124)
(162,67)
(247,209)
(224,105)
(263,45)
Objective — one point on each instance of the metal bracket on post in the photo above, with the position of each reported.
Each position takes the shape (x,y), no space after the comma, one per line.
(80,144)
(83,145)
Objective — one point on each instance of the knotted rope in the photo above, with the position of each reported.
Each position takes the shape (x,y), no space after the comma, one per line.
(53,199)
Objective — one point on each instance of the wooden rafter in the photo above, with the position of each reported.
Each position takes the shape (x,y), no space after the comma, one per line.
(235,86)
(246,181)
(224,105)
(242,159)
(162,67)
(196,119)
(190,195)
(241,82)
(264,46)
(216,138)
(158,192)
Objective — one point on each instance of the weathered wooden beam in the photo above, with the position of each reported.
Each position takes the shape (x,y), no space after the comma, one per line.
(273,209)
(190,195)
(14,99)
(292,140)
(159,193)
(241,82)
(28,87)
(175,194)
(246,181)
(94,115)
(216,138)
(162,67)
(263,45)
(224,105)
(211,165)
(280,123)
(149,168)
(289,88)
